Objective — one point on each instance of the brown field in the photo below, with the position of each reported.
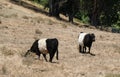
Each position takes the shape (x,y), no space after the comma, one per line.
(20,26)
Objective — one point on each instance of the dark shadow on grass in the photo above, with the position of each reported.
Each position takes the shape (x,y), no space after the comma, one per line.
(29,6)
(55,62)
(88,53)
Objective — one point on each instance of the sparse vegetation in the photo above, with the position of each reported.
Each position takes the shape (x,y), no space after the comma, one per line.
(25,17)
(37,20)
(50,22)
(4,70)
(9,16)
(112,75)
(0,21)
(28,61)
(6,51)
(64,25)
(18,33)
(3,27)
(116,47)
(37,31)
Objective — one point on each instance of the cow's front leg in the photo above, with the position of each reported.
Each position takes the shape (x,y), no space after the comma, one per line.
(89,49)
(80,48)
(38,56)
(44,55)
(84,49)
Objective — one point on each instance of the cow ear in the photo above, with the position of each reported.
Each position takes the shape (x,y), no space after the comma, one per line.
(92,34)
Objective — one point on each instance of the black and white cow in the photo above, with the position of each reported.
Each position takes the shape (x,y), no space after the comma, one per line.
(44,46)
(85,40)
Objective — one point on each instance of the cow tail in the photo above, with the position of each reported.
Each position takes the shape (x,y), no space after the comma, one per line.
(57,54)
(26,53)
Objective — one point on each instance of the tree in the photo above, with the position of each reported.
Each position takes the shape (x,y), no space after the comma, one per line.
(100,12)
(70,7)
(95,12)
(54,8)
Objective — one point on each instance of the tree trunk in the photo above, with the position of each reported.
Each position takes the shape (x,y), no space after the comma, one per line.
(54,8)
(95,16)
(50,7)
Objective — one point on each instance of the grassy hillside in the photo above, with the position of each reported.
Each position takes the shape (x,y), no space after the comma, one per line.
(20,26)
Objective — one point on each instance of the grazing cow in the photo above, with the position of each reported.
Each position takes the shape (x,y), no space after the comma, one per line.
(85,40)
(44,46)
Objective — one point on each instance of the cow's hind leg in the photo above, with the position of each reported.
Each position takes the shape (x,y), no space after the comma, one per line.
(51,56)
(89,49)
(57,54)
(82,49)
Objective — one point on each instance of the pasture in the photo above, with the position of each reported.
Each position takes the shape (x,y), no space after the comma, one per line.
(20,27)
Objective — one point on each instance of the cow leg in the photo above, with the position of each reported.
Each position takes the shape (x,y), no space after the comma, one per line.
(38,53)
(84,49)
(51,56)
(89,49)
(38,56)
(44,55)
(80,48)
(57,54)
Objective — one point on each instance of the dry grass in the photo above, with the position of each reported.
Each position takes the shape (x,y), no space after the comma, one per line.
(116,47)
(25,17)
(64,25)
(37,20)
(0,22)
(4,70)
(37,31)
(112,75)
(50,22)
(9,16)
(3,27)
(28,61)
(6,51)
(18,34)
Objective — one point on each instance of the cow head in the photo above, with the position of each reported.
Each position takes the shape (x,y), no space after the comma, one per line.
(92,37)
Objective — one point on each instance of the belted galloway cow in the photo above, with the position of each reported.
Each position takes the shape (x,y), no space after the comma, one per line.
(85,40)
(45,46)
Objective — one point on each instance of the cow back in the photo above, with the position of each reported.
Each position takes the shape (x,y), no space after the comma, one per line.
(52,44)
(87,40)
